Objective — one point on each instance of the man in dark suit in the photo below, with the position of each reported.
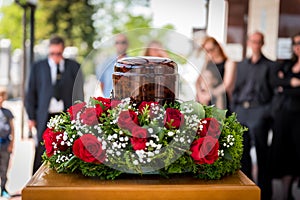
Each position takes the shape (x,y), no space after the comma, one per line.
(54,84)
(251,101)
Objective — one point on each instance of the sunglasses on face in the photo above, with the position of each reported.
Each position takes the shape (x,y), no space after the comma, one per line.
(296,43)
(210,50)
(55,53)
(121,42)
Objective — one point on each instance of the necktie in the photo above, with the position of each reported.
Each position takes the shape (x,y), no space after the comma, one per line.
(57,85)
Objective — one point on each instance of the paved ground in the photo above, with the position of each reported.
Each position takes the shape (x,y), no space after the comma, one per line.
(22,157)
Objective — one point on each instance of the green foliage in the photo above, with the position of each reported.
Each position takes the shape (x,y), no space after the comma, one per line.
(119,15)
(70,19)
(11,24)
(230,162)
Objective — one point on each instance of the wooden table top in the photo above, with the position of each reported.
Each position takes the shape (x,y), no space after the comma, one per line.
(47,184)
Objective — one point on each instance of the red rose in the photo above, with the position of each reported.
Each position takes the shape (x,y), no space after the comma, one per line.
(173,118)
(53,141)
(89,116)
(115,103)
(128,119)
(138,143)
(210,126)
(139,132)
(89,149)
(147,104)
(73,110)
(99,110)
(205,150)
(104,102)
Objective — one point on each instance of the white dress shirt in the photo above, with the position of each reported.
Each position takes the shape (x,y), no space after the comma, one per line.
(55,106)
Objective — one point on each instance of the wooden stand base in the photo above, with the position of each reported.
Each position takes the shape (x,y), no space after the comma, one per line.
(46,184)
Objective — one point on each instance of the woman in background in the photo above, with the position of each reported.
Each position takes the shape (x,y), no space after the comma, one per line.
(156,49)
(219,63)
(285,148)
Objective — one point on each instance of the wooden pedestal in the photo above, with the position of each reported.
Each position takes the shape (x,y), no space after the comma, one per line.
(46,184)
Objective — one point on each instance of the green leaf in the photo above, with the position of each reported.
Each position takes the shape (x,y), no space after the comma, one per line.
(227,155)
(196,107)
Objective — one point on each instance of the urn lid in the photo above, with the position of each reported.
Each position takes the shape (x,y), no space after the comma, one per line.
(146,65)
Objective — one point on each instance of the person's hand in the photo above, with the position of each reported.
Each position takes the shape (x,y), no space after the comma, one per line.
(280,74)
(31,124)
(10,147)
(203,95)
(295,82)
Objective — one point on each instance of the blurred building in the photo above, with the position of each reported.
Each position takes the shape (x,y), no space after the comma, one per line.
(230,21)
(5,49)
(277,19)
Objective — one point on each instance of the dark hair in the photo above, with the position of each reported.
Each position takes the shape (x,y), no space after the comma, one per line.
(294,56)
(295,35)
(57,40)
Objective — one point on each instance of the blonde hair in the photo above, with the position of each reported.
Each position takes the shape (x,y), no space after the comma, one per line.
(157,46)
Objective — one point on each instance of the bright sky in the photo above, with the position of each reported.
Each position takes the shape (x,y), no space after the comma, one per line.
(184,15)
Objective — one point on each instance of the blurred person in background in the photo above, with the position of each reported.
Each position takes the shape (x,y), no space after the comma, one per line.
(105,70)
(223,70)
(285,148)
(251,101)
(55,83)
(155,49)
(6,141)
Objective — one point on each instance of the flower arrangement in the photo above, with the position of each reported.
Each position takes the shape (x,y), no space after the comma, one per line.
(106,138)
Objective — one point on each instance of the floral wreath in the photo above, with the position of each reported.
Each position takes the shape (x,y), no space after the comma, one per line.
(106,138)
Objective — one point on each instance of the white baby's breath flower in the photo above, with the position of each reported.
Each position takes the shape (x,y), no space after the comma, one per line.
(221,152)
(159,146)
(150,130)
(110,151)
(65,137)
(115,144)
(109,138)
(135,162)
(170,133)
(150,154)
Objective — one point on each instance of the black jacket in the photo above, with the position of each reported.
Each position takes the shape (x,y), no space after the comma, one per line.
(40,90)
(260,74)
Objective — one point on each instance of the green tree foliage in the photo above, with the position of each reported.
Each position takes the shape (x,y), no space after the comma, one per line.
(11,23)
(80,22)
(71,19)
(117,13)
